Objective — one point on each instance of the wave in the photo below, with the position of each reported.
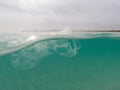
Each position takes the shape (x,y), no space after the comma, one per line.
(16,41)
(27,50)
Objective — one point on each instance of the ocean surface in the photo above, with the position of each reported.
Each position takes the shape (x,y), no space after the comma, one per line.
(60,61)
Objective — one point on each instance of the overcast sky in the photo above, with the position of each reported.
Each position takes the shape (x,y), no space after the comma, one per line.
(49,14)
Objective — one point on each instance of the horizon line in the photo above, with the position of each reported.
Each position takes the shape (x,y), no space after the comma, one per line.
(57,30)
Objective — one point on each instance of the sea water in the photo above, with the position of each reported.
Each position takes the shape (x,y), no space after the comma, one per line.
(60,61)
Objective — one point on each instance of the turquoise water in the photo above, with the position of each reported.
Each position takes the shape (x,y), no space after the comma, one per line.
(61,63)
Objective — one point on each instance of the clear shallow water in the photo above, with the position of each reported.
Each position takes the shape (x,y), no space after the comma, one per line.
(75,61)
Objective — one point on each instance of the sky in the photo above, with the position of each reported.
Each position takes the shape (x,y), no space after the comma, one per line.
(59,14)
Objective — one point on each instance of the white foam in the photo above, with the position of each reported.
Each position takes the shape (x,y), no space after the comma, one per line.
(66,48)
(29,57)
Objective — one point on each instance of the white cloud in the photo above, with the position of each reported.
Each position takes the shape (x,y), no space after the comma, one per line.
(78,14)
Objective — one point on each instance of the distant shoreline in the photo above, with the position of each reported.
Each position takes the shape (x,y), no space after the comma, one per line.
(71,30)
(102,31)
